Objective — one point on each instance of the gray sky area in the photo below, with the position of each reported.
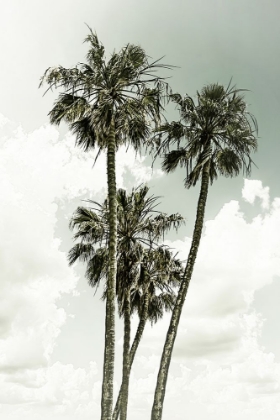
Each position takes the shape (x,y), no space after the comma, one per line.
(226,360)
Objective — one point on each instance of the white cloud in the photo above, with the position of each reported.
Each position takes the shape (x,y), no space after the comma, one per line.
(222,366)
(244,383)
(218,368)
(58,389)
(253,189)
(3,121)
(37,170)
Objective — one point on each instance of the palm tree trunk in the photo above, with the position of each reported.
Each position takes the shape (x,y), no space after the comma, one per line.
(135,344)
(109,350)
(140,328)
(177,310)
(126,359)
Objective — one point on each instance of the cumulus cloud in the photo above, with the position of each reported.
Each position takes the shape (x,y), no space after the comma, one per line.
(222,365)
(218,368)
(254,189)
(38,170)
(55,391)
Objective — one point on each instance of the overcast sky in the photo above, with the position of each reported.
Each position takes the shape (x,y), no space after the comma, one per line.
(226,361)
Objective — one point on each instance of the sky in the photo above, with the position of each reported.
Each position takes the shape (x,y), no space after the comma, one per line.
(226,360)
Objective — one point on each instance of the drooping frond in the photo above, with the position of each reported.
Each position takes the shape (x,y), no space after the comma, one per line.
(97,267)
(228,163)
(175,158)
(85,134)
(80,251)
(69,108)
(90,226)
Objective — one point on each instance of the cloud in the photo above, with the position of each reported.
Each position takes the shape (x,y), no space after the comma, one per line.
(235,259)
(58,390)
(254,189)
(241,384)
(218,365)
(34,271)
(3,121)
(221,365)
(39,170)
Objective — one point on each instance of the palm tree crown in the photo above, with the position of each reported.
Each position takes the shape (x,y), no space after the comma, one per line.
(139,228)
(159,272)
(99,91)
(218,130)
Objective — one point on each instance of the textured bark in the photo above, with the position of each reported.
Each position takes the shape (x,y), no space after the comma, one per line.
(126,359)
(135,344)
(109,350)
(177,310)
(140,328)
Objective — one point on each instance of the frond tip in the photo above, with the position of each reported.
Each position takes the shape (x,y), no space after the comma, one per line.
(174,158)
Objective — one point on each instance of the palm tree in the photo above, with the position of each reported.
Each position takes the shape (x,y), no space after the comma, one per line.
(139,226)
(107,104)
(158,271)
(219,135)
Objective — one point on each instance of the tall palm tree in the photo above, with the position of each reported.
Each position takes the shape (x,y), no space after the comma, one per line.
(214,136)
(107,104)
(158,271)
(139,226)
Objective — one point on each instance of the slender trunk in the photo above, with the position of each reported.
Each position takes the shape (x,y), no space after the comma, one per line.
(135,344)
(109,350)
(140,328)
(126,364)
(177,310)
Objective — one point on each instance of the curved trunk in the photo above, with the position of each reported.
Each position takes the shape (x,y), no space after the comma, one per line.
(135,344)
(126,359)
(109,350)
(140,328)
(177,310)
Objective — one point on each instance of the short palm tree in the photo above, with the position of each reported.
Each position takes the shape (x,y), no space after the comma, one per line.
(157,271)
(107,104)
(213,137)
(139,227)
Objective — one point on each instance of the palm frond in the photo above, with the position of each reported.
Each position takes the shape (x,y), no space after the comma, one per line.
(174,158)
(81,251)
(97,267)
(85,134)
(95,55)
(69,108)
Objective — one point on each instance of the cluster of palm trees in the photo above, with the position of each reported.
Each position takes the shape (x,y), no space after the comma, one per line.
(120,101)
(146,272)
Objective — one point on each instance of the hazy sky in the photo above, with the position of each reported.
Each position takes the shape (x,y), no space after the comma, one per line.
(227,355)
